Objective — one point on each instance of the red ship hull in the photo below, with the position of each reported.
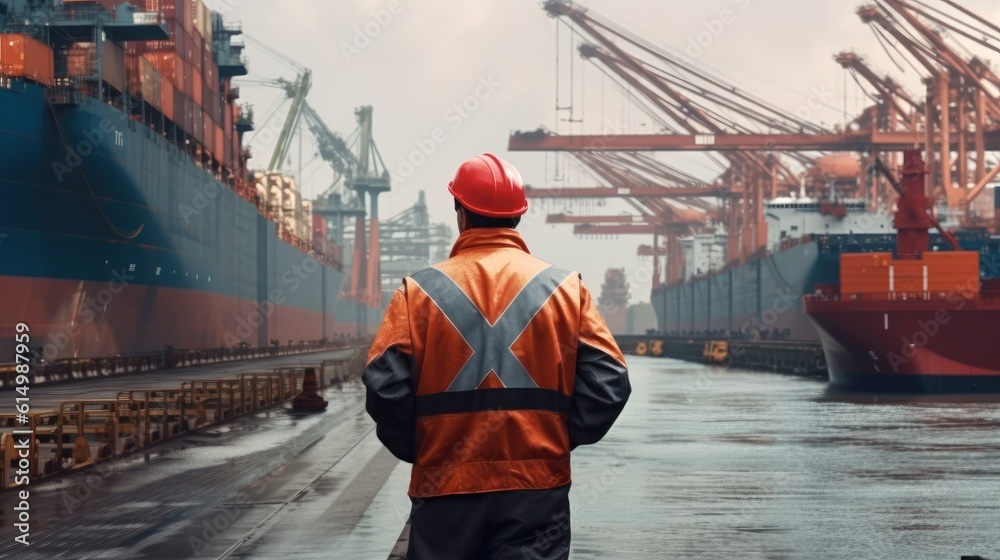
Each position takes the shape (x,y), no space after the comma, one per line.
(914,345)
(147,319)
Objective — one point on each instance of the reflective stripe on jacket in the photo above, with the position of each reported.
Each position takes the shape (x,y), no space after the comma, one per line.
(489,368)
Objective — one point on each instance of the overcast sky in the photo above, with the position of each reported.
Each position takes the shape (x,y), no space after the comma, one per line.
(433,54)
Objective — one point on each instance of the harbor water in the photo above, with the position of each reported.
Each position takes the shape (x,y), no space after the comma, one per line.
(715,463)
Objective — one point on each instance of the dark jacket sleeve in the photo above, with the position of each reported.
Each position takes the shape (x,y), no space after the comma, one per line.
(388,377)
(602,387)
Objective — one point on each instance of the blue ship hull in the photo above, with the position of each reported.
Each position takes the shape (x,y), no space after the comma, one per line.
(762,299)
(113,241)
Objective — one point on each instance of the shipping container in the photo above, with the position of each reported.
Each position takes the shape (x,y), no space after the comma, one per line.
(205,20)
(864,273)
(178,108)
(80,60)
(209,26)
(152,86)
(952,272)
(189,116)
(209,103)
(211,73)
(146,82)
(208,137)
(184,14)
(169,65)
(220,142)
(188,79)
(227,121)
(198,130)
(319,228)
(166,7)
(108,5)
(168,100)
(24,57)
(195,6)
(936,273)
(113,66)
(197,56)
(189,48)
(198,89)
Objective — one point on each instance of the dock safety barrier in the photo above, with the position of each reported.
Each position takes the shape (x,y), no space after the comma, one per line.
(71,369)
(799,358)
(84,431)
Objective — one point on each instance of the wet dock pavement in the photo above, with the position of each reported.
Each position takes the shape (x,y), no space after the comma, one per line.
(704,463)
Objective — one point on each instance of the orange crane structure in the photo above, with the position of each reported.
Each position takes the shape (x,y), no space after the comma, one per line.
(957,123)
(962,112)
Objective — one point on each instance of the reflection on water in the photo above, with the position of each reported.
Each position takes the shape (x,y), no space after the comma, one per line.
(714,463)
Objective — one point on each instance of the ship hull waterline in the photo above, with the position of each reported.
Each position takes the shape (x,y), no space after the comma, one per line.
(909,346)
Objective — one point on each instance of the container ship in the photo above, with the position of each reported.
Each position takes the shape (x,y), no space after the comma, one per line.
(916,318)
(130,221)
(760,302)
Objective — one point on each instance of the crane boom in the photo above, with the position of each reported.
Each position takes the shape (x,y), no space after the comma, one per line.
(303,84)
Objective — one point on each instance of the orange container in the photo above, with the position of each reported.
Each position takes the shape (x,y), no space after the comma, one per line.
(198,128)
(197,88)
(907,277)
(24,57)
(211,72)
(220,142)
(954,271)
(208,138)
(152,86)
(169,65)
(168,100)
(864,273)
(113,66)
(198,55)
(188,79)
(80,60)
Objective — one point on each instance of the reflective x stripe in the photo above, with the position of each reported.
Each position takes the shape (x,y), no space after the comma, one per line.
(490,343)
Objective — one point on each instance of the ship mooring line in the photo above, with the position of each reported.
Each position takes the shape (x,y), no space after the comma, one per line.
(253,532)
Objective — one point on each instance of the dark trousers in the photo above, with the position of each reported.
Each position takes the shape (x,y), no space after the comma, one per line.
(520,524)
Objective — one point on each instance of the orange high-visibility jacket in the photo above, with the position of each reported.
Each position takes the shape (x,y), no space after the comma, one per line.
(489,368)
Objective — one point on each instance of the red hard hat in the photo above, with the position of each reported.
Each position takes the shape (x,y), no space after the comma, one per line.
(489,186)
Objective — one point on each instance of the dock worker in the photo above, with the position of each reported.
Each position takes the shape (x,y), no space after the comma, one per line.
(488,369)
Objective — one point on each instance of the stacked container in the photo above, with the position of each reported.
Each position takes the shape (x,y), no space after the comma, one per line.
(24,57)
(879,275)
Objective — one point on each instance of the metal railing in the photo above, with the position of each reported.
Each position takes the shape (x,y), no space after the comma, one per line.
(905,296)
(84,431)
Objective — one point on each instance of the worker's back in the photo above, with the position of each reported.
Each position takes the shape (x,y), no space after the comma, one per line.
(495,333)
(488,369)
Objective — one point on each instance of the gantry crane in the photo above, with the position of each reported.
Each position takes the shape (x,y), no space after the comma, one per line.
(697,112)
(359,174)
(961,94)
